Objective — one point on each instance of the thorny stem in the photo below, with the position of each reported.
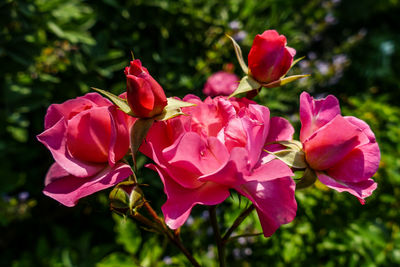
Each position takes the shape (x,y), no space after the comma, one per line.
(217,234)
(237,222)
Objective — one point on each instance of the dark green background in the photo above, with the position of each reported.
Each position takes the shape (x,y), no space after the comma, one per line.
(54,50)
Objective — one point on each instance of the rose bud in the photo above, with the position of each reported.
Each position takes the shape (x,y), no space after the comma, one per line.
(145,96)
(126,196)
(269,58)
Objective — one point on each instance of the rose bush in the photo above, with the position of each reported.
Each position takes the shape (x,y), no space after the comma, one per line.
(221,83)
(87,137)
(218,147)
(342,150)
(145,96)
(269,57)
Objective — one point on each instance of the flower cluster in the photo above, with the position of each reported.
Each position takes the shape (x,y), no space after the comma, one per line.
(222,145)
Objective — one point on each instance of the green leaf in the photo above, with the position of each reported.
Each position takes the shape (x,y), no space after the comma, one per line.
(128,234)
(151,251)
(139,131)
(308,179)
(117,259)
(173,109)
(293,158)
(239,55)
(121,103)
(55,29)
(246,84)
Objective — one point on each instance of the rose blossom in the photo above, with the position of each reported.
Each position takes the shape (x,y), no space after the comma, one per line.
(269,57)
(145,96)
(87,137)
(217,147)
(221,83)
(342,150)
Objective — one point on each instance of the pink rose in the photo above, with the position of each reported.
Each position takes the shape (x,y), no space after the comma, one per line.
(145,96)
(342,150)
(221,83)
(269,57)
(87,136)
(217,147)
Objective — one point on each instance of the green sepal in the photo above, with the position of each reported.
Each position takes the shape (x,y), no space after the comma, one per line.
(173,109)
(292,157)
(119,102)
(293,78)
(119,199)
(284,81)
(246,84)
(292,65)
(239,55)
(295,62)
(139,131)
(292,144)
(308,179)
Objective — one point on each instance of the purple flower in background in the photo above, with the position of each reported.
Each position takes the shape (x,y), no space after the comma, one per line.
(240,36)
(234,25)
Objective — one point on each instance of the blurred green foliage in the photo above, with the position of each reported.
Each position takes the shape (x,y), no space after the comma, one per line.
(53,50)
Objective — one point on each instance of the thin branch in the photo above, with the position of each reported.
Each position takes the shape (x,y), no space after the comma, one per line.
(237,222)
(217,234)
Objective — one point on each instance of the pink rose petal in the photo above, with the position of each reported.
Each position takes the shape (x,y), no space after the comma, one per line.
(54,139)
(68,189)
(361,163)
(192,153)
(70,108)
(331,143)
(316,113)
(280,129)
(180,200)
(361,189)
(274,201)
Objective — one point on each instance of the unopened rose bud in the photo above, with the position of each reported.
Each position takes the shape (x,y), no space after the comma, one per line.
(269,58)
(126,196)
(145,96)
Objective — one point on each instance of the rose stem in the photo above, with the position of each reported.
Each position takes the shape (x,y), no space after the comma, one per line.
(237,222)
(217,234)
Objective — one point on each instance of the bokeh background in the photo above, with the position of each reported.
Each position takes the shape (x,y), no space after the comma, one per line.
(53,50)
